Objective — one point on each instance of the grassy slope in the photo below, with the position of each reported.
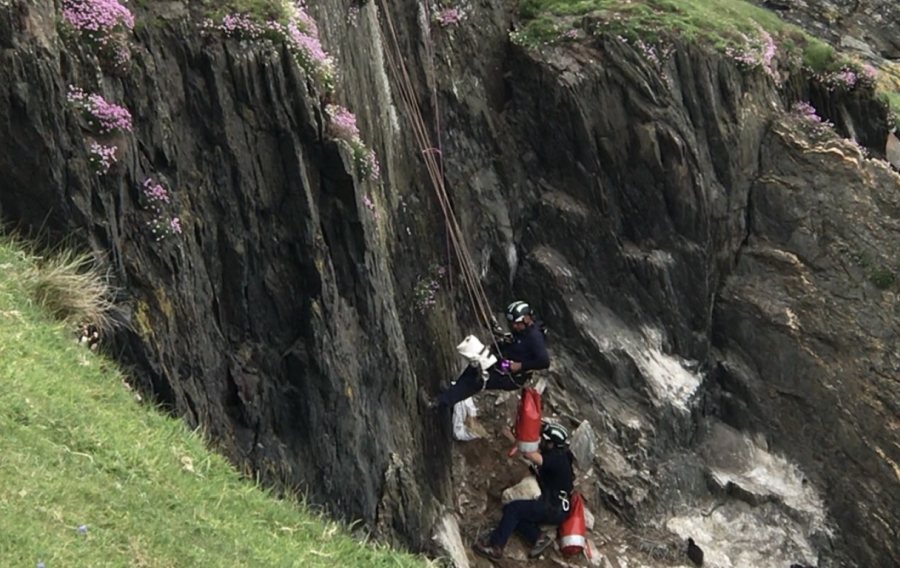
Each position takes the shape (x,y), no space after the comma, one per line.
(715,21)
(76,449)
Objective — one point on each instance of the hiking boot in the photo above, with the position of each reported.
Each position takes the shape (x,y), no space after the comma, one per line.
(483,547)
(540,546)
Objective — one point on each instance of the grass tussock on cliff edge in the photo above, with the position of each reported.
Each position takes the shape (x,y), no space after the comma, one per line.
(71,287)
(89,477)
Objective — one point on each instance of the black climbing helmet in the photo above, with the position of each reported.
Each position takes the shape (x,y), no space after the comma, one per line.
(517,311)
(554,434)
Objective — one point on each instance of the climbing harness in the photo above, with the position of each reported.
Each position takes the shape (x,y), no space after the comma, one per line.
(564,500)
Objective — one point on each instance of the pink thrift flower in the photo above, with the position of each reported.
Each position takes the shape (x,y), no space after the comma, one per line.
(102,157)
(371,167)
(870,72)
(449,17)
(342,123)
(97,17)
(155,192)
(108,116)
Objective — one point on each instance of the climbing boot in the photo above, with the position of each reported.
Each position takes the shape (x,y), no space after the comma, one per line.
(540,546)
(484,548)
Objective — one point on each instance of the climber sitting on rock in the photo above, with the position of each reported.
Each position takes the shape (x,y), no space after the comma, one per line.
(521,352)
(552,464)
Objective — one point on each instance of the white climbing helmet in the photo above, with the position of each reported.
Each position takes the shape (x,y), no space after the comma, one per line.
(554,434)
(517,311)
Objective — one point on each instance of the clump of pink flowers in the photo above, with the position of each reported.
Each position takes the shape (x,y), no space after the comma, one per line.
(447,17)
(97,19)
(105,23)
(157,200)
(427,287)
(103,116)
(655,54)
(449,13)
(815,123)
(370,205)
(367,164)
(649,52)
(849,76)
(101,157)
(758,52)
(342,126)
(299,33)
(342,123)
(155,193)
(806,111)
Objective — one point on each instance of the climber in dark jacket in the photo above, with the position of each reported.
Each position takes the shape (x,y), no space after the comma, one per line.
(524,351)
(552,465)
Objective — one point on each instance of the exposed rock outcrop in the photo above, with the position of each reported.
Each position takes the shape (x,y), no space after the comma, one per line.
(869,27)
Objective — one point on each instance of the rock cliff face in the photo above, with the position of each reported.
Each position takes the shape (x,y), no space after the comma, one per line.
(700,257)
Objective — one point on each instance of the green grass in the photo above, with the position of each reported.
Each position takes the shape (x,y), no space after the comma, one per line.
(77,449)
(259,9)
(718,23)
(883,278)
(892,100)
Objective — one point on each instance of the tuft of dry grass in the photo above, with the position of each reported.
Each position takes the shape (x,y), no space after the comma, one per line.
(73,288)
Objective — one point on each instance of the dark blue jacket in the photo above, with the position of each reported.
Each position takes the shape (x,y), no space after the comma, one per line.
(528,348)
(555,476)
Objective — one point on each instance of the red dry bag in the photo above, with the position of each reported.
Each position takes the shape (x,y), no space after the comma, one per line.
(572,531)
(528,422)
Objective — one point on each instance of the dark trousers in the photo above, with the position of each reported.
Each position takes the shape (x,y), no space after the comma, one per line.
(470,382)
(526,517)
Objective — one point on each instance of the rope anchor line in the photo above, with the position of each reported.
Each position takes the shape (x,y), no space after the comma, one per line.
(433,156)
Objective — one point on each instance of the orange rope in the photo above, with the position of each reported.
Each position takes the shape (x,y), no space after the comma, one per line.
(433,157)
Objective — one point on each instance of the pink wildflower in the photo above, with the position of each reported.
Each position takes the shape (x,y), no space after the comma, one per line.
(102,115)
(97,18)
(300,34)
(447,17)
(370,166)
(102,157)
(870,73)
(805,110)
(342,123)
(757,52)
(108,116)
(155,192)
(305,23)
(649,52)
(75,96)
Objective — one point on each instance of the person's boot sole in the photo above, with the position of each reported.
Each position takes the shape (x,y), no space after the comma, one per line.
(535,552)
(486,554)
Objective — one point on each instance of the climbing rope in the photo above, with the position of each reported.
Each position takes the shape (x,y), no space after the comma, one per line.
(433,157)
